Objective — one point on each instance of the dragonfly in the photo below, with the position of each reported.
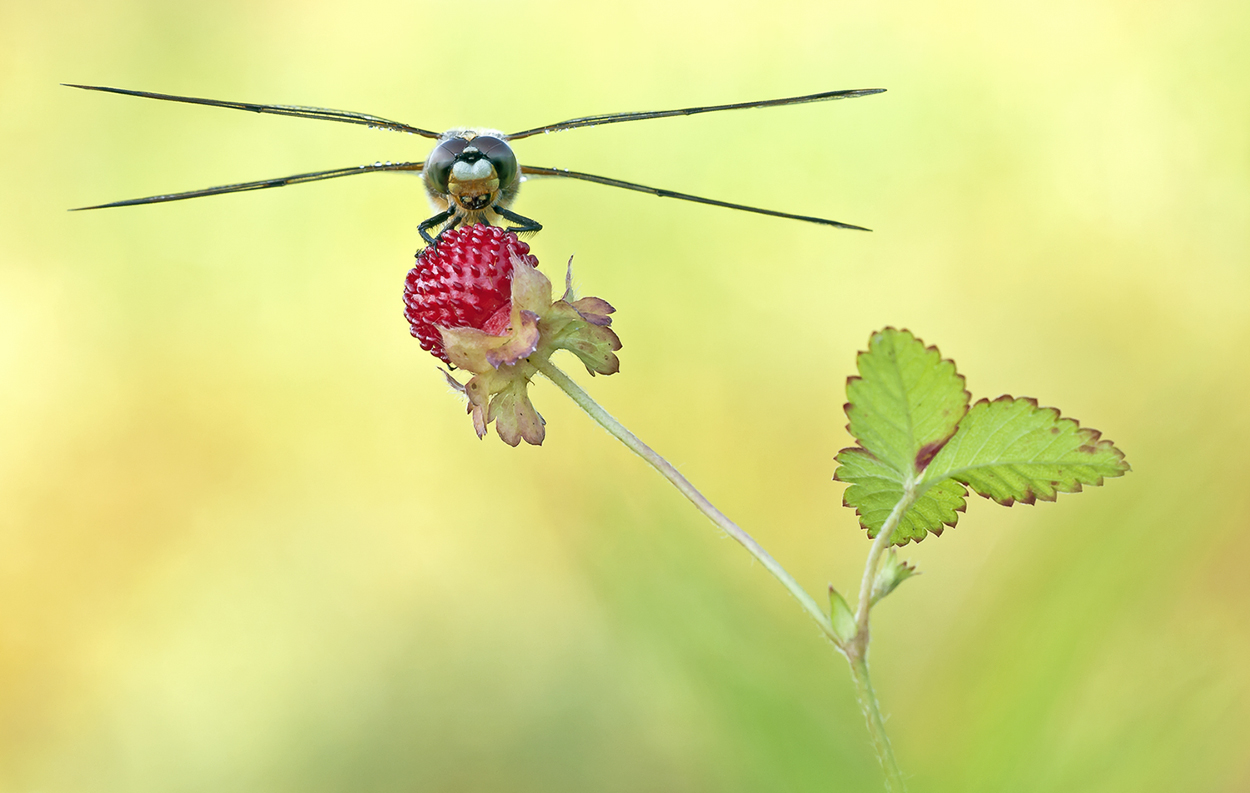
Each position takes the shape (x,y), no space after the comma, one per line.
(472,175)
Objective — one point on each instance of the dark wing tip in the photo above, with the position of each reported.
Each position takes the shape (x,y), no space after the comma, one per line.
(99,206)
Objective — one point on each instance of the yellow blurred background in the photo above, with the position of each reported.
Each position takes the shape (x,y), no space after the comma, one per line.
(248,541)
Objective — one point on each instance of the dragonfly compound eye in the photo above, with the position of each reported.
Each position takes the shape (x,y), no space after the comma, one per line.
(500,156)
(438,164)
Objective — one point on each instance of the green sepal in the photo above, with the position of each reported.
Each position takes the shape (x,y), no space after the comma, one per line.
(581,327)
(514,415)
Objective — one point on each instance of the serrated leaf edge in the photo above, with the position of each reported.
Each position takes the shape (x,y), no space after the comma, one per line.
(859,516)
(929,450)
(1092,436)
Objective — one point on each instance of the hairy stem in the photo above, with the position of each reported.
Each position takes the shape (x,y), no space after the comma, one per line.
(688,490)
(876,725)
(857,648)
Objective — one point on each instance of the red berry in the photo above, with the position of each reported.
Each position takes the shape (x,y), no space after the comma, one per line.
(462,282)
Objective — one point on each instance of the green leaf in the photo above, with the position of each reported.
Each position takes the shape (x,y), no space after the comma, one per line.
(906,402)
(1011,450)
(875,488)
(909,411)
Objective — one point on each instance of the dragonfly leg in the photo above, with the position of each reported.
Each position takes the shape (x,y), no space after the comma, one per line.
(526,224)
(430,223)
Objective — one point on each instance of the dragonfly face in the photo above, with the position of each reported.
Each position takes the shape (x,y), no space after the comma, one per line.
(472,170)
(472,175)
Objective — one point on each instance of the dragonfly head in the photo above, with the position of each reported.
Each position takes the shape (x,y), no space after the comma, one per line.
(471,170)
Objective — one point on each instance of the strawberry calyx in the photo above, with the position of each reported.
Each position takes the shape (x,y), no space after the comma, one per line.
(496,318)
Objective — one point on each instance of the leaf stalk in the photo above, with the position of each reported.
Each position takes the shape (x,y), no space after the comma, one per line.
(879,545)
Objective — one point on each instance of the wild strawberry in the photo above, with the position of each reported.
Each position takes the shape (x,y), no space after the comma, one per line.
(477,301)
(461,283)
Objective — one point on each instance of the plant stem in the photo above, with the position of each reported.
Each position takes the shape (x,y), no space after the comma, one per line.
(688,490)
(876,725)
(854,648)
(870,567)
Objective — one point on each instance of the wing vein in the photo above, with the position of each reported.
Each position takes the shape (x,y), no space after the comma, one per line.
(531,170)
(261,184)
(296,111)
(616,118)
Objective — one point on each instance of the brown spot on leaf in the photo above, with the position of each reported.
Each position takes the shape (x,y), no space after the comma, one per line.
(928,452)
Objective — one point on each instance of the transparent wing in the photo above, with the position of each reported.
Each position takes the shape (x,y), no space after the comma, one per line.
(297,111)
(530,170)
(615,118)
(241,187)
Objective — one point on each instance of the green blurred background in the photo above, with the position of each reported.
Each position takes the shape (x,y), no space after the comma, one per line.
(248,541)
